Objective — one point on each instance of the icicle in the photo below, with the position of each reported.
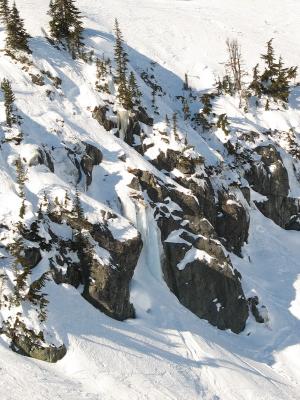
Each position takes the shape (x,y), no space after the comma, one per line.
(123,121)
(141,215)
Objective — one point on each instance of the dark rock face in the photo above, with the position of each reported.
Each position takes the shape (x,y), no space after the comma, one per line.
(42,157)
(173,159)
(269,177)
(92,157)
(143,117)
(232,224)
(204,192)
(212,295)
(195,266)
(108,286)
(256,312)
(32,257)
(99,114)
(294,223)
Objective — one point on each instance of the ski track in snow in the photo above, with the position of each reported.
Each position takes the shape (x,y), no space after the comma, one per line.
(166,353)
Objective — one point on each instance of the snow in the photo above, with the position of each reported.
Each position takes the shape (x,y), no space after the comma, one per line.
(192,255)
(166,352)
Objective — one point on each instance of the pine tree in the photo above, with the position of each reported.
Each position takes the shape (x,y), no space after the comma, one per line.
(186,110)
(134,90)
(223,123)
(186,82)
(20,268)
(77,207)
(167,120)
(9,99)
(275,80)
(4,11)
(37,297)
(121,59)
(17,37)
(66,25)
(255,85)
(175,126)
(21,177)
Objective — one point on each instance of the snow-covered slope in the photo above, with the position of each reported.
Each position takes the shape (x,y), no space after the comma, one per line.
(166,352)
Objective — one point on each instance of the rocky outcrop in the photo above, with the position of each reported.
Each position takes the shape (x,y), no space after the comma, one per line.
(199,185)
(28,343)
(32,256)
(24,346)
(108,286)
(268,176)
(194,264)
(105,279)
(258,311)
(99,113)
(232,223)
(91,158)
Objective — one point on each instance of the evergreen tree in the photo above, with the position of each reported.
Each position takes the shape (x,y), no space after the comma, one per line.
(134,90)
(186,82)
(77,207)
(20,268)
(21,177)
(121,59)
(175,126)
(275,80)
(186,110)
(223,123)
(37,297)
(66,25)
(255,85)
(17,37)
(4,11)
(102,71)
(9,99)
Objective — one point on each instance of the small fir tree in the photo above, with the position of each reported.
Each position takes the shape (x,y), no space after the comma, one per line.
(66,25)
(4,12)
(17,37)
(134,90)
(121,59)
(9,99)
(21,177)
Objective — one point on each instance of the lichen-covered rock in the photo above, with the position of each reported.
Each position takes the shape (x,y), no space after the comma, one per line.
(24,346)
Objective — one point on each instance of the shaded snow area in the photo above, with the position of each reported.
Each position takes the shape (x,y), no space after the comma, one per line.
(166,352)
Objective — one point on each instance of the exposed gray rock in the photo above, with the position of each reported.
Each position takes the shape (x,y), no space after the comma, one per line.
(91,158)
(32,256)
(258,312)
(24,346)
(294,223)
(99,114)
(269,177)
(209,287)
(232,224)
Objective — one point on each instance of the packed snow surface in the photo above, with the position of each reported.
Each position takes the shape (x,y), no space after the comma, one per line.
(166,352)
